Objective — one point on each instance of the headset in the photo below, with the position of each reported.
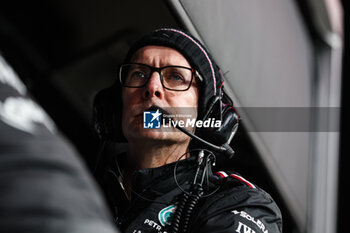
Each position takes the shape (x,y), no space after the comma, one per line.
(107,114)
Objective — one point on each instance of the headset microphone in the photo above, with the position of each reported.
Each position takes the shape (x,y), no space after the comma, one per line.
(225,148)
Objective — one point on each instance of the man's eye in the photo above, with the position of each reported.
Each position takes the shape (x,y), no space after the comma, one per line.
(175,77)
(138,74)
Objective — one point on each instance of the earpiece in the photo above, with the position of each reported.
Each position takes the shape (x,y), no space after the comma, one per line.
(220,108)
(107,107)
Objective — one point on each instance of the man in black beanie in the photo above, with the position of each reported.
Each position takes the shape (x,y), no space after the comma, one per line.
(165,182)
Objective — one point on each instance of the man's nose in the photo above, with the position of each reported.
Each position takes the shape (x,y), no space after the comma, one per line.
(154,87)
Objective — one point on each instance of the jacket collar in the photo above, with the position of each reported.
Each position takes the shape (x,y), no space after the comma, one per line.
(161,178)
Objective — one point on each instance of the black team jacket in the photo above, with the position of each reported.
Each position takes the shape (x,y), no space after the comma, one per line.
(44,184)
(238,206)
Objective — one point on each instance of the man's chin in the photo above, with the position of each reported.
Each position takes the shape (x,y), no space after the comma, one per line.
(151,134)
(158,135)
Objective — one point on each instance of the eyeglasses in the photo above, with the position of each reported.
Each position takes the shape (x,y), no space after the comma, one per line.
(175,78)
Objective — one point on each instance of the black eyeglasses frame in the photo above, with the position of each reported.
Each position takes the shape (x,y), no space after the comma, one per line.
(158,70)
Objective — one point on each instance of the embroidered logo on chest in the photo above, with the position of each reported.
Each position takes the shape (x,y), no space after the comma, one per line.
(166,215)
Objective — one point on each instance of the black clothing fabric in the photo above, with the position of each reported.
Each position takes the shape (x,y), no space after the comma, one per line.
(237,206)
(44,186)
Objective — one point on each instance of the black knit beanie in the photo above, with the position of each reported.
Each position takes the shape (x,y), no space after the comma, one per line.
(194,52)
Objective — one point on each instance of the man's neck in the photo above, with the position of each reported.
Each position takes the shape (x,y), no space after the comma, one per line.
(152,154)
(143,155)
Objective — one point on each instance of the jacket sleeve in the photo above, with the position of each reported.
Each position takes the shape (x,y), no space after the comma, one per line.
(243,220)
(44,185)
(241,209)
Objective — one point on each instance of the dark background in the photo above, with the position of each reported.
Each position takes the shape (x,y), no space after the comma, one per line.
(65,51)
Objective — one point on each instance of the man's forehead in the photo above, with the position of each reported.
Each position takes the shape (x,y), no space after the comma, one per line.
(159,54)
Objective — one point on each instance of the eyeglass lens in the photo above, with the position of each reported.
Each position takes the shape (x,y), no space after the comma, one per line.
(173,77)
